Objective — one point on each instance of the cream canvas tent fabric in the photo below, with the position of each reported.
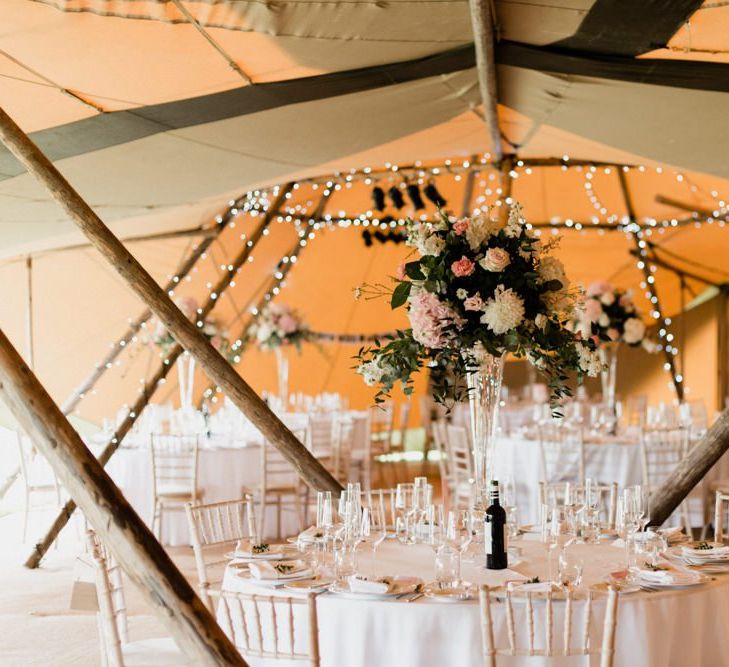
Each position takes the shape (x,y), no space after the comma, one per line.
(160,112)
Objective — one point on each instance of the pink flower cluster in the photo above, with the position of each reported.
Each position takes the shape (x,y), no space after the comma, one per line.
(429,317)
(463,267)
(460,226)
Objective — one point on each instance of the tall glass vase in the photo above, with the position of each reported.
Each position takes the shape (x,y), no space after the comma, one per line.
(608,378)
(484,393)
(186,379)
(282,367)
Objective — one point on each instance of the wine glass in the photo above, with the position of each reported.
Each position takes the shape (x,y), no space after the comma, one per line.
(642,498)
(570,567)
(405,507)
(374,523)
(434,532)
(556,531)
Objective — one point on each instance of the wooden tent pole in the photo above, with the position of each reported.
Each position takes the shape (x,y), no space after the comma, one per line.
(118,347)
(722,347)
(120,528)
(185,332)
(690,471)
(649,279)
(41,548)
(484,38)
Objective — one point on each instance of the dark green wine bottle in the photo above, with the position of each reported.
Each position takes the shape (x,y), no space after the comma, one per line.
(495,532)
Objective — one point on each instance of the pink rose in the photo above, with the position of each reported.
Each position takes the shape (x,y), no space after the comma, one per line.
(613,334)
(599,287)
(474,302)
(460,227)
(400,271)
(595,339)
(495,259)
(593,310)
(463,267)
(287,324)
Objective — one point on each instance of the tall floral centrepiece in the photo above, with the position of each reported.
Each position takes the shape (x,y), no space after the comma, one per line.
(609,316)
(481,287)
(277,327)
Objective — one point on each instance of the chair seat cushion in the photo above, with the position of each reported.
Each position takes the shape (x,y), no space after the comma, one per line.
(161,652)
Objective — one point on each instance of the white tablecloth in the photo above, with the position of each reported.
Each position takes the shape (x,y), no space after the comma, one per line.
(668,629)
(617,460)
(222,474)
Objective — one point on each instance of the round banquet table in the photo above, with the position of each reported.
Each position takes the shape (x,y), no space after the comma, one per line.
(655,629)
(222,474)
(614,459)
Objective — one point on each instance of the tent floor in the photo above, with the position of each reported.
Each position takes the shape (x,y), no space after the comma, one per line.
(38,626)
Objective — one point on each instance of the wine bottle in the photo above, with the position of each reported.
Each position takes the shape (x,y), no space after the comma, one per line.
(495,532)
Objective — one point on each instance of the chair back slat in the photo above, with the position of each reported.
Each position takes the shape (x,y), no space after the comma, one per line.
(175,463)
(273,622)
(217,524)
(562,452)
(522,638)
(661,452)
(721,503)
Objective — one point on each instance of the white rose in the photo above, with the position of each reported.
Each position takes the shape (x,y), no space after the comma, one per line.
(433,245)
(461,293)
(608,299)
(633,331)
(495,259)
(604,320)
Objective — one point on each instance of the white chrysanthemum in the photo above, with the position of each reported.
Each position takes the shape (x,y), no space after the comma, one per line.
(480,230)
(504,311)
(515,221)
(589,360)
(633,331)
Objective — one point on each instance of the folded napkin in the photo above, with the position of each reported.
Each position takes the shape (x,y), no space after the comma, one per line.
(311,534)
(360,584)
(655,576)
(245,549)
(267,570)
(537,587)
(714,552)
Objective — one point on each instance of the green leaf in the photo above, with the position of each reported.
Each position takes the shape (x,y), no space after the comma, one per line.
(552,285)
(412,270)
(400,294)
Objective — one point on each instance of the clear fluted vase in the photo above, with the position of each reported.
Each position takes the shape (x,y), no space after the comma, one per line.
(484,394)
(608,379)
(282,369)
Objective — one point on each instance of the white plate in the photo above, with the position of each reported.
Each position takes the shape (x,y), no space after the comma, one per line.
(309,585)
(685,579)
(400,586)
(280,552)
(275,583)
(464,593)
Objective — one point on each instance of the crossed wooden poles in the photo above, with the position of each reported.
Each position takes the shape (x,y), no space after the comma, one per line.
(126,535)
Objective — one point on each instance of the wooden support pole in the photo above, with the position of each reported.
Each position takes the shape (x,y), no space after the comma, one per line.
(120,528)
(185,332)
(150,387)
(30,351)
(484,38)
(641,249)
(118,347)
(722,348)
(690,471)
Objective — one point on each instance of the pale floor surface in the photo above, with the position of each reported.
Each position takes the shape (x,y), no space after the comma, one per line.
(37,626)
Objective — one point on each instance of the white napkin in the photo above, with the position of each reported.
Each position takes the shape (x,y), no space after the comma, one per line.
(310,534)
(716,552)
(673,534)
(244,548)
(656,576)
(267,570)
(537,587)
(359,584)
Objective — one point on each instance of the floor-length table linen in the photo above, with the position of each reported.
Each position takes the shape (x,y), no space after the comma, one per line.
(666,629)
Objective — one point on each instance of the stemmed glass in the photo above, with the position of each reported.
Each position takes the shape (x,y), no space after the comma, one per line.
(642,499)
(556,531)
(405,507)
(435,533)
(507,494)
(374,524)
(593,495)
